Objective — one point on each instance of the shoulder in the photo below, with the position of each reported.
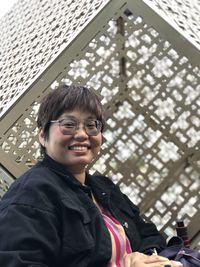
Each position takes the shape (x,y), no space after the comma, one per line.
(35,177)
(36,187)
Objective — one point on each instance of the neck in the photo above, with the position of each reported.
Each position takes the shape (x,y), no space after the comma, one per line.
(80,177)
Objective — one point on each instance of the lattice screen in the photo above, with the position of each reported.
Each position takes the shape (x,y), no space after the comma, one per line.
(32,34)
(150,88)
(184,13)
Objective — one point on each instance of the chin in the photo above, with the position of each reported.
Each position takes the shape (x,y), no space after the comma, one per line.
(82,162)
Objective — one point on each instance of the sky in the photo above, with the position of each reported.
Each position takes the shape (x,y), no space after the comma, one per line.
(5,6)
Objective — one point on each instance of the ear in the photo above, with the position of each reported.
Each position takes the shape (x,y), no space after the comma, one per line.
(41,137)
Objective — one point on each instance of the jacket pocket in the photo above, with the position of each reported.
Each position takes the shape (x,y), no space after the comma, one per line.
(76,228)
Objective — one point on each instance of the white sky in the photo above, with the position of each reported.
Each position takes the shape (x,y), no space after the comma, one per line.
(5,6)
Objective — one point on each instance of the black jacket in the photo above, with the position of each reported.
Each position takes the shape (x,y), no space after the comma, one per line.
(47,218)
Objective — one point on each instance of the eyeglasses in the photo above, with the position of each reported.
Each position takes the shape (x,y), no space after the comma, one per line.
(70,126)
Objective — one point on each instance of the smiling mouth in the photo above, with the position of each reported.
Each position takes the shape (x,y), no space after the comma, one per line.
(79,148)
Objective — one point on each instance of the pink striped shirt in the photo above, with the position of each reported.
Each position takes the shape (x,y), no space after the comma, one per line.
(120,243)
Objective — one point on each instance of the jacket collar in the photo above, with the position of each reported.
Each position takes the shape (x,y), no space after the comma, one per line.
(100,187)
(109,195)
(59,169)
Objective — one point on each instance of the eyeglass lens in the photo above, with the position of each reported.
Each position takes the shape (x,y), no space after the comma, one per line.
(69,127)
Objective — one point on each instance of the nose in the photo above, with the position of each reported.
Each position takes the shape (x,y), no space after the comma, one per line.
(81,132)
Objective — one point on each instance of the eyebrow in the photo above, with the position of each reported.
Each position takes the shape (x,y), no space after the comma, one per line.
(75,118)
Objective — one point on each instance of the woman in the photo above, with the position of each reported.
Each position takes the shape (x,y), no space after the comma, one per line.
(57,214)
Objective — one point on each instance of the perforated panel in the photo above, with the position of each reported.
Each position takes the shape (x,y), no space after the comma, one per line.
(32,34)
(5,180)
(184,13)
(150,89)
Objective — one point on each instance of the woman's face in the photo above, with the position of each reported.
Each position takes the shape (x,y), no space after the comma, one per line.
(73,151)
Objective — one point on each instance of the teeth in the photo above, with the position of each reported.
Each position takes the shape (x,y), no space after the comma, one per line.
(80,148)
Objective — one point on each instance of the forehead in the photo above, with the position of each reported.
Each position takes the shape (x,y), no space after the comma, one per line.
(77,114)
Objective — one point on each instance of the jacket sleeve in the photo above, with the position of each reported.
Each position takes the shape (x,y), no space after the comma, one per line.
(28,237)
(150,237)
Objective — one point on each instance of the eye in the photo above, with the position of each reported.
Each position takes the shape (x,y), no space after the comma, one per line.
(68,124)
(91,124)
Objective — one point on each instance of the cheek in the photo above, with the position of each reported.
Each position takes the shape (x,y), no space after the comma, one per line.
(55,139)
(101,140)
(97,142)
